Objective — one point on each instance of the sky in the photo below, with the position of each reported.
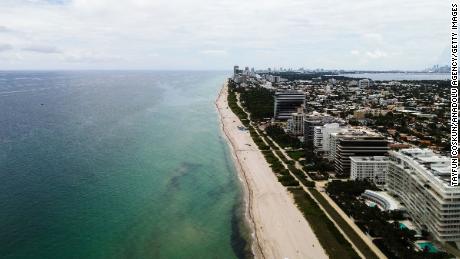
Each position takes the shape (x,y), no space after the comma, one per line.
(217,34)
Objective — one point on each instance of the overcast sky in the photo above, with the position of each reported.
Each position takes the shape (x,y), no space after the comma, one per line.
(216,34)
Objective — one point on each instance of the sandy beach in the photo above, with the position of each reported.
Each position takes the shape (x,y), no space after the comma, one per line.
(279,228)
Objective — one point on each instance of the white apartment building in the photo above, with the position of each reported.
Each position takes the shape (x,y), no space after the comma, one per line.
(295,123)
(373,168)
(314,119)
(321,135)
(318,137)
(421,181)
(330,141)
(364,83)
(327,131)
(332,146)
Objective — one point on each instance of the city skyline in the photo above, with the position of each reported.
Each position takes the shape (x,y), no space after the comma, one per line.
(81,34)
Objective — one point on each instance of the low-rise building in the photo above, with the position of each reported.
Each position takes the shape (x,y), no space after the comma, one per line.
(383,200)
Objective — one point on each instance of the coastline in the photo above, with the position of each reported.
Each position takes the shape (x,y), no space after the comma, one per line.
(278,228)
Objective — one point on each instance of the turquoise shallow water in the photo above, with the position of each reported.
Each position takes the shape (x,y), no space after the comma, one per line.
(115,165)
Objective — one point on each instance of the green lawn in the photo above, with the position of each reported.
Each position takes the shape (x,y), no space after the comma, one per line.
(296,155)
(355,238)
(331,239)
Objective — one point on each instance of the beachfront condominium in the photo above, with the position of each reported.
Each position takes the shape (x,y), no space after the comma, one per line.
(318,137)
(357,142)
(287,102)
(372,168)
(295,123)
(321,135)
(421,180)
(315,119)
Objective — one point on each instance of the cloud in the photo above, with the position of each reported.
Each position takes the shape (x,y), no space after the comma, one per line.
(89,57)
(4,29)
(373,36)
(376,54)
(42,49)
(355,52)
(291,33)
(215,52)
(5,47)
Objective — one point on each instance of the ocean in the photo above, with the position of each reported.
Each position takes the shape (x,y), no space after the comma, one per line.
(115,164)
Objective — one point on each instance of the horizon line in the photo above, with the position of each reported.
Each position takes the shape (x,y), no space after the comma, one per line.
(220,70)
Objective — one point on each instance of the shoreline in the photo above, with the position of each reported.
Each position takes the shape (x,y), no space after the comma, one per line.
(246,191)
(278,229)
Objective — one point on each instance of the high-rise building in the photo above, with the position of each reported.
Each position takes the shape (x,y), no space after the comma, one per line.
(318,137)
(421,181)
(295,123)
(287,102)
(236,70)
(321,135)
(332,145)
(357,142)
(314,119)
(246,71)
(363,83)
(373,168)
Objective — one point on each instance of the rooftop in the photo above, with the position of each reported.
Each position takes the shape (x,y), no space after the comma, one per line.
(358,132)
(369,158)
(289,91)
(386,201)
(434,166)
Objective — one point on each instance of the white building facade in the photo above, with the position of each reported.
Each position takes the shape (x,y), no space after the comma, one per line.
(373,168)
(421,181)
(322,134)
(318,138)
(295,124)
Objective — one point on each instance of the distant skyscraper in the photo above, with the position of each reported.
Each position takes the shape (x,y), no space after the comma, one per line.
(236,70)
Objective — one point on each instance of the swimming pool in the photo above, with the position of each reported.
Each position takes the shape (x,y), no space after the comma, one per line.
(431,248)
